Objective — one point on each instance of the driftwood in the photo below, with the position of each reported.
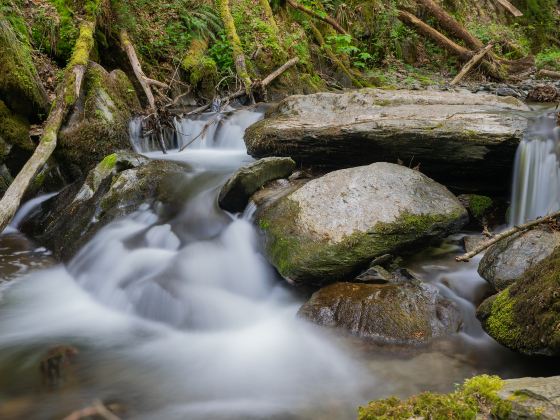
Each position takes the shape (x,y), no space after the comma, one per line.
(256,85)
(325,18)
(471,63)
(67,94)
(145,82)
(510,8)
(497,238)
(548,74)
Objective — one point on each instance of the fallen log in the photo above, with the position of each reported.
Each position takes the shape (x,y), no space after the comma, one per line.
(67,95)
(145,82)
(471,63)
(510,8)
(506,233)
(548,74)
(323,17)
(258,84)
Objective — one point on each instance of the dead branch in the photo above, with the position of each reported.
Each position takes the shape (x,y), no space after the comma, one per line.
(521,228)
(67,94)
(471,63)
(510,8)
(325,18)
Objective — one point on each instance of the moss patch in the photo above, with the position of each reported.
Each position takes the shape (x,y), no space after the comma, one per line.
(478,395)
(14,130)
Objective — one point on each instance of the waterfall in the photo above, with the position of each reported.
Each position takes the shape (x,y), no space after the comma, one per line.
(536,179)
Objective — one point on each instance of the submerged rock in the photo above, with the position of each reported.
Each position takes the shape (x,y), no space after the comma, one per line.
(509,259)
(98,124)
(246,181)
(526,316)
(463,140)
(116,187)
(412,313)
(333,226)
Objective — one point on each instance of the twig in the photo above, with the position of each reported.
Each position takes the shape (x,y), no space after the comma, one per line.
(521,228)
(204,129)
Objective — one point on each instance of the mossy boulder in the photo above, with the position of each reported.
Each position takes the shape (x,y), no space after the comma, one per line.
(526,315)
(478,206)
(509,259)
(98,125)
(333,226)
(14,131)
(402,314)
(20,86)
(116,187)
(246,181)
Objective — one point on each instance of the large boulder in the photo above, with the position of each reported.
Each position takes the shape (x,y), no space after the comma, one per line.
(246,181)
(333,226)
(20,86)
(116,187)
(509,259)
(526,316)
(410,313)
(461,139)
(98,125)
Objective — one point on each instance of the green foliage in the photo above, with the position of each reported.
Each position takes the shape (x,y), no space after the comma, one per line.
(343,44)
(540,20)
(221,52)
(549,59)
(510,41)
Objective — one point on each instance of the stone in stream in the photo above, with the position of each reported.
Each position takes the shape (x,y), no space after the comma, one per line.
(526,315)
(333,226)
(411,313)
(246,181)
(116,187)
(508,260)
(460,139)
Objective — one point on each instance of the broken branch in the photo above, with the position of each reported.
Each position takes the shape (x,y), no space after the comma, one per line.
(471,63)
(510,8)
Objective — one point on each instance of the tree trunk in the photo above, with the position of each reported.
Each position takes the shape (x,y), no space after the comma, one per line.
(325,18)
(67,94)
(238,54)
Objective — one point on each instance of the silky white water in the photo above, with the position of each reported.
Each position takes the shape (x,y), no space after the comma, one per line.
(184,318)
(536,179)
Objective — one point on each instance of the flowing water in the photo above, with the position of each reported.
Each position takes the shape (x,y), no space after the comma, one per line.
(536,180)
(184,318)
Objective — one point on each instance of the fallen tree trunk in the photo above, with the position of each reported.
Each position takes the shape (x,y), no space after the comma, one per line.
(323,17)
(510,8)
(543,74)
(471,63)
(262,85)
(145,82)
(67,94)
(497,238)
(238,54)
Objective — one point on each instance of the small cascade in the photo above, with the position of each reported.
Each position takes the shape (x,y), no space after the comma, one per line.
(536,179)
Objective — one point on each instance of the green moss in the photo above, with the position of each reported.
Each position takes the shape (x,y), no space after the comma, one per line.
(478,395)
(479,205)
(109,161)
(548,59)
(201,69)
(14,130)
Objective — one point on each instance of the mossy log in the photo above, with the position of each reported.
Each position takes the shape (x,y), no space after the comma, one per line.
(238,54)
(67,94)
(323,17)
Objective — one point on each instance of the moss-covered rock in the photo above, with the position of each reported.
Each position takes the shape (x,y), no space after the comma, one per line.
(20,86)
(526,316)
(98,126)
(14,131)
(333,226)
(201,70)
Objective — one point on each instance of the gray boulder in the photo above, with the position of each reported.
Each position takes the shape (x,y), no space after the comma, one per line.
(532,398)
(508,260)
(412,313)
(461,139)
(246,181)
(333,226)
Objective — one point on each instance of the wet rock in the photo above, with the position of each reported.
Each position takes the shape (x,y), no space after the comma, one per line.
(526,315)
(377,274)
(98,125)
(464,140)
(509,259)
(412,313)
(532,398)
(117,186)
(333,226)
(470,242)
(543,93)
(507,91)
(236,192)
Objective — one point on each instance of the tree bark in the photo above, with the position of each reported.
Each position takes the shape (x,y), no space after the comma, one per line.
(506,233)
(325,18)
(471,63)
(238,54)
(510,8)
(67,94)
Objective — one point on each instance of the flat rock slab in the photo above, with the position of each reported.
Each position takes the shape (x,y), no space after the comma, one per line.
(466,141)
(533,398)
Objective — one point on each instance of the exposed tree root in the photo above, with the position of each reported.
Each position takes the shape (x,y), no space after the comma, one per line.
(325,18)
(67,94)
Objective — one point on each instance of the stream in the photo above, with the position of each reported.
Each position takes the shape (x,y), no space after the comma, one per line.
(185,319)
